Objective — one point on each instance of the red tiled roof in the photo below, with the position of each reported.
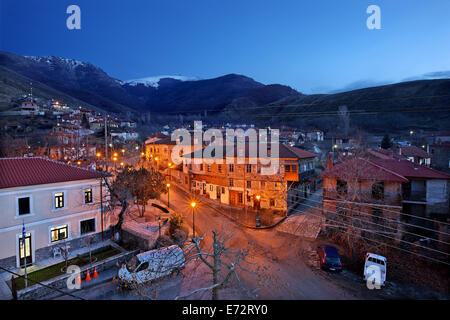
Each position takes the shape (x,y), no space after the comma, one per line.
(361,169)
(18,172)
(409,169)
(382,170)
(413,151)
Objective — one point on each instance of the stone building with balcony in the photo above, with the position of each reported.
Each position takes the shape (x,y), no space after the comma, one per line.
(238,184)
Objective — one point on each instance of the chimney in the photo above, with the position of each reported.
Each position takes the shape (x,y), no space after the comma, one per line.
(330,161)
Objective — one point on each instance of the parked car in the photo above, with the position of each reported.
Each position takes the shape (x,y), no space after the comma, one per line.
(152,265)
(329,258)
(374,263)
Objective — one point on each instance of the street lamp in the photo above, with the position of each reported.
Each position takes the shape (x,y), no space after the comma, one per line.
(193,204)
(168,195)
(258,218)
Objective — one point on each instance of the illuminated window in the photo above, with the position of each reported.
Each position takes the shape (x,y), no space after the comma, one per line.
(88,195)
(59,233)
(59,200)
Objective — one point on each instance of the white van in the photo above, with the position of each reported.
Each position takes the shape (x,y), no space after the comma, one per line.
(152,265)
(375,270)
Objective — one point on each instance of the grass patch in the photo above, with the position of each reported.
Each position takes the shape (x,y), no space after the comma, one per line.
(55,270)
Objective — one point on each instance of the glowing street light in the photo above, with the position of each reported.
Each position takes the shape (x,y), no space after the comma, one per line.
(98,154)
(122,164)
(168,194)
(193,204)
(258,218)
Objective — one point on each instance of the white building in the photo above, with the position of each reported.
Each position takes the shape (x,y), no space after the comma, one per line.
(56,202)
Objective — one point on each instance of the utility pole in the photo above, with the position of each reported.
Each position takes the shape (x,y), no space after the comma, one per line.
(106,144)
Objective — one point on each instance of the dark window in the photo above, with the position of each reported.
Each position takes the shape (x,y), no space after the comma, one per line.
(249,168)
(231,168)
(59,200)
(208,168)
(201,167)
(378,190)
(272,202)
(219,168)
(231,182)
(59,233)
(87,226)
(287,168)
(223,189)
(88,195)
(249,184)
(24,205)
(240,197)
(341,187)
(294,168)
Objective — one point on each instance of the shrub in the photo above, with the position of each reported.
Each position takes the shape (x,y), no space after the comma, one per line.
(176,221)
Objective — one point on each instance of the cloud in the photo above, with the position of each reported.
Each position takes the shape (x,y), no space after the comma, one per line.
(430,76)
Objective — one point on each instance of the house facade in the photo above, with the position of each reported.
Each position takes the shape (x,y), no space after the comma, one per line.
(239,184)
(55,202)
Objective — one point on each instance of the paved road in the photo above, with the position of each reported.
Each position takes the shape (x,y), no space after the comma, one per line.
(277,268)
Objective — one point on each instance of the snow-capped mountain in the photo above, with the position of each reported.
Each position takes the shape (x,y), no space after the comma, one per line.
(154,81)
(51,59)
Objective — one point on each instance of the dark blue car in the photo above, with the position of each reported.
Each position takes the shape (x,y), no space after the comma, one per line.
(329,258)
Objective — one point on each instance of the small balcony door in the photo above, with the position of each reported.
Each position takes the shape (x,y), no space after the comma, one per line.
(25,251)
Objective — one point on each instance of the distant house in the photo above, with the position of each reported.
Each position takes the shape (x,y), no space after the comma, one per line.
(411,153)
(441,156)
(56,202)
(383,188)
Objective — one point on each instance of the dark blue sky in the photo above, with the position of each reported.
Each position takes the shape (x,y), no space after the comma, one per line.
(313,46)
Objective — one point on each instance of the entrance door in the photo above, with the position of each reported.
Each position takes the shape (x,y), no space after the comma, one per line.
(25,252)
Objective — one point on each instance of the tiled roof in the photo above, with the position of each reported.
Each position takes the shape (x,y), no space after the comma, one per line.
(285,152)
(361,169)
(18,172)
(382,170)
(409,169)
(413,151)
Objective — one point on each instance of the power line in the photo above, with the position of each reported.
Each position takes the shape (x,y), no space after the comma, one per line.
(352,218)
(378,205)
(314,103)
(415,234)
(345,225)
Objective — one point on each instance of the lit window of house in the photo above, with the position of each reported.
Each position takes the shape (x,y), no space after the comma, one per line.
(211,188)
(88,195)
(59,233)
(59,200)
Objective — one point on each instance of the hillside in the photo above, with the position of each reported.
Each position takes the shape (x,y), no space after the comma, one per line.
(86,82)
